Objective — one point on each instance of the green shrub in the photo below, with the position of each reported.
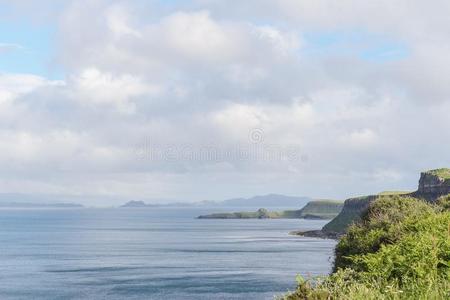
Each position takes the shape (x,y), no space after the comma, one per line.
(444,202)
(422,253)
(399,250)
(379,225)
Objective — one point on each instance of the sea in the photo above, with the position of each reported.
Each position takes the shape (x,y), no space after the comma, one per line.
(153,253)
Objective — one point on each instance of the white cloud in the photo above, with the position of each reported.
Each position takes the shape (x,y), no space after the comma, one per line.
(13,85)
(360,139)
(206,74)
(94,87)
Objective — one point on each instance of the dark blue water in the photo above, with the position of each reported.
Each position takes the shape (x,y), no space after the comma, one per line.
(152,254)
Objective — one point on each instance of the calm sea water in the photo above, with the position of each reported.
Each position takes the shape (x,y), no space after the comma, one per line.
(152,254)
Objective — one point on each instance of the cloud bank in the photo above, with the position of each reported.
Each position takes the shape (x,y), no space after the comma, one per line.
(343,98)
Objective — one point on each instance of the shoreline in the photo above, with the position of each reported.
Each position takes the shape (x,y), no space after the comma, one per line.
(316,234)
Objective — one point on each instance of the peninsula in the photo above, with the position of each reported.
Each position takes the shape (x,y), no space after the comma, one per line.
(319,209)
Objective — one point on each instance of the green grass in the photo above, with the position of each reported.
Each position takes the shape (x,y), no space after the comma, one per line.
(391,193)
(321,209)
(351,212)
(443,173)
(400,249)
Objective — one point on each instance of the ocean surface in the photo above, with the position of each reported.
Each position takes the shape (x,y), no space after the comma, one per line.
(157,253)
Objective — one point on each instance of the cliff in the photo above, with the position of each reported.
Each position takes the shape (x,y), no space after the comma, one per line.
(351,212)
(321,209)
(432,185)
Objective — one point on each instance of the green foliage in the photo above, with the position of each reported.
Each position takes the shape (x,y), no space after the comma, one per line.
(399,250)
(444,202)
(350,285)
(380,224)
(391,193)
(321,209)
(443,173)
(351,213)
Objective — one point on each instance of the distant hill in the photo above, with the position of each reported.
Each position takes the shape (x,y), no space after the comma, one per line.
(135,204)
(142,204)
(269,201)
(321,209)
(39,205)
(261,213)
(432,185)
(17,200)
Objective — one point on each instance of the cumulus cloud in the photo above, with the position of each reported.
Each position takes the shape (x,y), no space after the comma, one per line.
(234,101)
(93,87)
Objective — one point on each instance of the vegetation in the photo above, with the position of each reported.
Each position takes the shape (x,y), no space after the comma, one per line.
(400,249)
(354,207)
(380,224)
(443,173)
(320,209)
(392,193)
(261,213)
(351,212)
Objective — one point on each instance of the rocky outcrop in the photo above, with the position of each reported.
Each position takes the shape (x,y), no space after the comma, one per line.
(351,212)
(433,184)
(317,234)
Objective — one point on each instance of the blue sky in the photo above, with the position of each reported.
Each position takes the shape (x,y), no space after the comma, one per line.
(365,45)
(35,49)
(32,47)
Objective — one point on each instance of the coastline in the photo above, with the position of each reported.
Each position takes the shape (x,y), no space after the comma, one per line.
(316,234)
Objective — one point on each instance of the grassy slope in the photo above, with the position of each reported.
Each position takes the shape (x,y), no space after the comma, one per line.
(391,193)
(351,212)
(443,173)
(399,250)
(354,207)
(321,209)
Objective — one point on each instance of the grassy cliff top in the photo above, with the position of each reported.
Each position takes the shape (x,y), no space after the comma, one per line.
(326,201)
(392,193)
(443,173)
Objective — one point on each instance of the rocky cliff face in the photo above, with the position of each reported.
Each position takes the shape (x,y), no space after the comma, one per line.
(351,212)
(433,184)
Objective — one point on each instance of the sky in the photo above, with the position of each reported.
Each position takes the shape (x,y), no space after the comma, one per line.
(109,100)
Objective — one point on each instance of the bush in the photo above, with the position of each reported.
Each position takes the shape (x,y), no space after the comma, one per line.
(444,202)
(400,250)
(380,225)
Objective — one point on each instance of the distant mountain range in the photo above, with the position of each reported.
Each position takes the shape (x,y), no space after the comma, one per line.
(270,200)
(38,205)
(9,200)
